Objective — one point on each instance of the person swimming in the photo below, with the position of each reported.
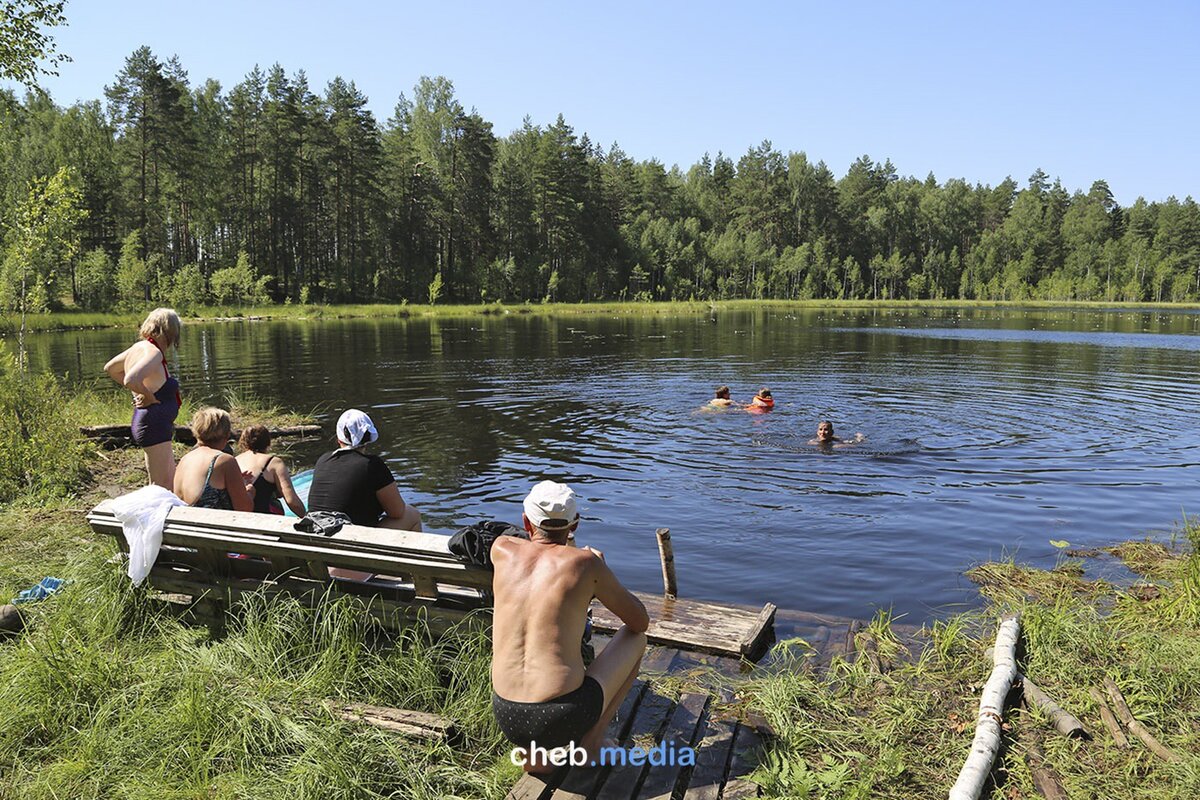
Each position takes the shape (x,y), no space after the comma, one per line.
(762,402)
(827,438)
(721,398)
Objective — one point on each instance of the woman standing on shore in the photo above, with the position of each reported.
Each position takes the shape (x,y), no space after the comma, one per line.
(142,369)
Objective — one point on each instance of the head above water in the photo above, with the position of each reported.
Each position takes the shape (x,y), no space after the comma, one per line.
(355,428)
(825,430)
(162,326)
(722,392)
(550,511)
(764,393)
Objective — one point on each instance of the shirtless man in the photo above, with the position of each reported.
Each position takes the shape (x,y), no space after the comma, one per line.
(541,692)
(721,398)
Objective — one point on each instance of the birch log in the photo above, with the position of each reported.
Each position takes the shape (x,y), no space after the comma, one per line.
(974,773)
(1063,721)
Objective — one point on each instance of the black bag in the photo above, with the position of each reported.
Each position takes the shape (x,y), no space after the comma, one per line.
(473,544)
(326,523)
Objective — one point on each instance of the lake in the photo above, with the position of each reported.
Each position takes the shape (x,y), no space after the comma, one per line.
(990,432)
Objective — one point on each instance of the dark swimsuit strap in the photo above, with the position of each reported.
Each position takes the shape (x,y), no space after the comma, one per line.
(167,372)
(208,474)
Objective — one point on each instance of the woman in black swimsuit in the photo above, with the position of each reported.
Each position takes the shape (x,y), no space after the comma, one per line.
(266,473)
(208,477)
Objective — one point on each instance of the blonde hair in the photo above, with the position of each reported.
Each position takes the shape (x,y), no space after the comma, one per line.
(162,325)
(212,427)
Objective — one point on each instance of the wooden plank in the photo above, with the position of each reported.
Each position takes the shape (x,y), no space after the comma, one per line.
(660,781)
(410,723)
(688,624)
(622,780)
(659,659)
(712,761)
(581,782)
(758,633)
(530,787)
(742,762)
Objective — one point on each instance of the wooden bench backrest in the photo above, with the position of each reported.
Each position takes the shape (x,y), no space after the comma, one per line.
(424,559)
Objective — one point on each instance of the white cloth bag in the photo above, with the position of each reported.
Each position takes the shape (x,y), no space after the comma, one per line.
(142,514)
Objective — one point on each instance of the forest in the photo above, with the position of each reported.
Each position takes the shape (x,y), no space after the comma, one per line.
(184,193)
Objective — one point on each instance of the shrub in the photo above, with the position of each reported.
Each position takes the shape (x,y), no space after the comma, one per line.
(42,453)
(95,284)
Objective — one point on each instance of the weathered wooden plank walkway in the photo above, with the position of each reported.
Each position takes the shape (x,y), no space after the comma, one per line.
(651,715)
(726,749)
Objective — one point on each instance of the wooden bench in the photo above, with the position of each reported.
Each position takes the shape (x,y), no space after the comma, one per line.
(424,579)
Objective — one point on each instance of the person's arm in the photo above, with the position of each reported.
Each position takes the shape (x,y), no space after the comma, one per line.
(241,495)
(115,368)
(135,379)
(617,599)
(288,492)
(391,501)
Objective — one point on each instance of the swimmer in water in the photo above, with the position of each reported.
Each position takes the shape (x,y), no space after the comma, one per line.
(826,438)
(762,402)
(721,398)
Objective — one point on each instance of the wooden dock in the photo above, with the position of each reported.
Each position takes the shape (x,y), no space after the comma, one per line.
(725,751)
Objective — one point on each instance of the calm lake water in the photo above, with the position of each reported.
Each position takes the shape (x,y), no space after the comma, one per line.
(989,433)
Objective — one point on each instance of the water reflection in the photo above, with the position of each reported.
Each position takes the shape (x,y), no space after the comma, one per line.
(989,431)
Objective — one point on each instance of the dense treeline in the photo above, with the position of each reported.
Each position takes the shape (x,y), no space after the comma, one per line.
(270,191)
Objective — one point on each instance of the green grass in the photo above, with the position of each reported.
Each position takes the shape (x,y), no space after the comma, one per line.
(855,734)
(75,320)
(109,696)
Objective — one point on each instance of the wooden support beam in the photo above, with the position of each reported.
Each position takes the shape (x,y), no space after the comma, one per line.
(417,724)
(666,554)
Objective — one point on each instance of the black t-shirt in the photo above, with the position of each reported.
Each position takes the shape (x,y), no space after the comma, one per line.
(346,481)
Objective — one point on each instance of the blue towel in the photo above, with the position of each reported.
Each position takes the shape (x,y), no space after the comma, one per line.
(45,587)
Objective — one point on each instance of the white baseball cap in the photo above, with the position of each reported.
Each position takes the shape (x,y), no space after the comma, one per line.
(354,428)
(551,506)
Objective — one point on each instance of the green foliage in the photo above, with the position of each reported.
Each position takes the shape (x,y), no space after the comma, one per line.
(42,453)
(133,275)
(187,290)
(95,281)
(25,40)
(331,206)
(43,241)
(239,285)
(435,289)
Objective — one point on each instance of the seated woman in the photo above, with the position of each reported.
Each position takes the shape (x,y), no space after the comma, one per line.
(357,483)
(207,476)
(267,473)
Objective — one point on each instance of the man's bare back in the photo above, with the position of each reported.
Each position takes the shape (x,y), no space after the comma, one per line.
(542,593)
(542,589)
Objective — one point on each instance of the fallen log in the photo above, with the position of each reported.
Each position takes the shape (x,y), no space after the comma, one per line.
(975,771)
(1045,781)
(1109,720)
(114,436)
(398,720)
(1135,727)
(1064,722)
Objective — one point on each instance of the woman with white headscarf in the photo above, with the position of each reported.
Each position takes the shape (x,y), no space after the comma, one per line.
(357,483)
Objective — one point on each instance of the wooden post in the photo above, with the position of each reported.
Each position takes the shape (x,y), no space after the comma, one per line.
(667,554)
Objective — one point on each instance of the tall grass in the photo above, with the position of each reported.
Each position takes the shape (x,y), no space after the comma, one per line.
(854,734)
(108,696)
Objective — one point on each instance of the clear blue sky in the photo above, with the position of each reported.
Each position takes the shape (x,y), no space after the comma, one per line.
(962,89)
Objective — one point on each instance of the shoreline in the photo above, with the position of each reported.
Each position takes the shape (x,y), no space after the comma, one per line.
(70,320)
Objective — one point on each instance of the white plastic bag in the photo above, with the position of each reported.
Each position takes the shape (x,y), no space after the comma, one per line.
(142,514)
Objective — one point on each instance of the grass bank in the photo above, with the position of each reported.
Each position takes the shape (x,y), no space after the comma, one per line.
(905,733)
(78,320)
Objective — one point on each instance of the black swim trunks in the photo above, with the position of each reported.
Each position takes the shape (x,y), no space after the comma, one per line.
(552,723)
